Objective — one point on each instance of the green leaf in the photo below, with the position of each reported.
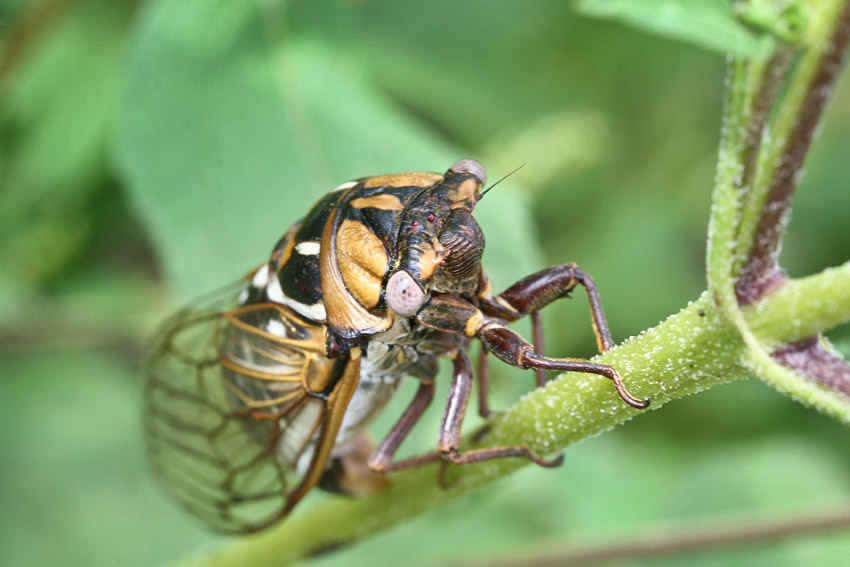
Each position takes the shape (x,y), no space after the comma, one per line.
(233,125)
(710,24)
(786,19)
(78,453)
(53,146)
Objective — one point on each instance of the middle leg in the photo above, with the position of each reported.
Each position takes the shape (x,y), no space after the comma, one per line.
(450,429)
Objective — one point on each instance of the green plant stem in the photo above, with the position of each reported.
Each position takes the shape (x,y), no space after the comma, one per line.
(825,306)
(685,354)
(758,171)
(752,198)
(765,214)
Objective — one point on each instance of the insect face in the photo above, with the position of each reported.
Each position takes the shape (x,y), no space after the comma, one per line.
(440,244)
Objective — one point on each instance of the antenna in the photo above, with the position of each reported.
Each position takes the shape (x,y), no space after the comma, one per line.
(481,196)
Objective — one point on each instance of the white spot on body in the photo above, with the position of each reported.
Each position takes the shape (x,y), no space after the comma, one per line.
(258,282)
(261,277)
(308,248)
(347,185)
(296,431)
(271,286)
(315,312)
(274,291)
(275,327)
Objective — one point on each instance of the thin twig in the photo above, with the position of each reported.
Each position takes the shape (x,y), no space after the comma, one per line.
(760,269)
(811,358)
(34,21)
(762,105)
(672,542)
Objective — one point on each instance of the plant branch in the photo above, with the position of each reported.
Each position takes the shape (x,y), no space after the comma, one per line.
(826,305)
(783,166)
(767,83)
(676,540)
(691,351)
(771,80)
(815,361)
(750,208)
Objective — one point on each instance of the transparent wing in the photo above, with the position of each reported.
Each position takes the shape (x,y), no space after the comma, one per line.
(232,431)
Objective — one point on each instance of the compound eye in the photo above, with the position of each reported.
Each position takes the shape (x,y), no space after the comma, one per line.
(470,166)
(404,296)
(464,244)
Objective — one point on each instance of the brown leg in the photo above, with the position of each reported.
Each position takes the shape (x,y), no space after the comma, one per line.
(484,371)
(453,420)
(450,430)
(508,346)
(381,459)
(483,383)
(456,406)
(478,455)
(413,462)
(537,336)
(453,314)
(538,290)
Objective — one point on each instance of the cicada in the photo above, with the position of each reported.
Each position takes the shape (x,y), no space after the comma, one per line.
(261,392)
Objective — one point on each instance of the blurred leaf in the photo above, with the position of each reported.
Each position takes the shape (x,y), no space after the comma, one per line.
(708,23)
(466,77)
(52,156)
(786,19)
(233,125)
(114,312)
(75,468)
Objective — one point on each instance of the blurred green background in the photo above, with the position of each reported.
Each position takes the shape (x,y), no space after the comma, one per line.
(152,151)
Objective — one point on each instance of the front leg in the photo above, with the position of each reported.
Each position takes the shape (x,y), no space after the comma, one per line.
(538,290)
(532,293)
(455,315)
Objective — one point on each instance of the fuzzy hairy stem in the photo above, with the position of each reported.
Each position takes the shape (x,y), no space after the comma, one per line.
(752,199)
(782,164)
